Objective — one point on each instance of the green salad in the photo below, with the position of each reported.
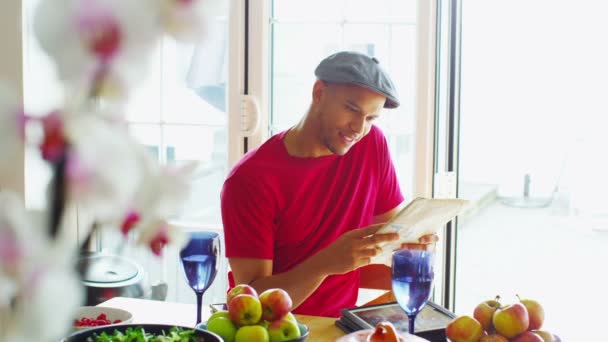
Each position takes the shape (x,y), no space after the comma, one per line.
(138,334)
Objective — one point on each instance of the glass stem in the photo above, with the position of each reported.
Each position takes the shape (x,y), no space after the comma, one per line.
(199,304)
(410,321)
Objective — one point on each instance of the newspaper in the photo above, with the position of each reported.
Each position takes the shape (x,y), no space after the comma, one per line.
(420,217)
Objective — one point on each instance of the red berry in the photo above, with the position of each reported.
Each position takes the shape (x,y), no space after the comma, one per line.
(117,321)
(102,316)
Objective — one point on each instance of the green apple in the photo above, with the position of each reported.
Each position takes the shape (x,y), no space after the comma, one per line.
(527,336)
(218,314)
(245,309)
(251,333)
(291,317)
(511,320)
(536,313)
(464,329)
(224,327)
(283,330)
(483,313)
(493,338)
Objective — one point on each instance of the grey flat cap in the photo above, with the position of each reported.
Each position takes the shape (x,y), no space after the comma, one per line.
(351,67)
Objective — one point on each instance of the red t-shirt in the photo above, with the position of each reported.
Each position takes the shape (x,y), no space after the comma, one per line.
(276,206)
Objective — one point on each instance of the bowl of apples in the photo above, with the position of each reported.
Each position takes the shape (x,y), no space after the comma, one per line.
(253,317)
(494,322)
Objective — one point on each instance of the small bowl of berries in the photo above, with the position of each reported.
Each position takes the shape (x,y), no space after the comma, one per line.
(96,316)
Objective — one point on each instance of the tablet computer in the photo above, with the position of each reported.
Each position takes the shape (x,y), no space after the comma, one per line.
(430,322)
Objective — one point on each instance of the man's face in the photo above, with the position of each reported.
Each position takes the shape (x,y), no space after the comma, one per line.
(345,114)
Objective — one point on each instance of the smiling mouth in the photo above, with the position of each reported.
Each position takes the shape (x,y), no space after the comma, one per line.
(348,139)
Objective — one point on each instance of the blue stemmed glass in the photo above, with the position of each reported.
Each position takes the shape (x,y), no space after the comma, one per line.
(199,264)
(412,278)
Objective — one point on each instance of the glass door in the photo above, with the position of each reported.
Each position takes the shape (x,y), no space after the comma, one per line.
(531,159)
(286,40)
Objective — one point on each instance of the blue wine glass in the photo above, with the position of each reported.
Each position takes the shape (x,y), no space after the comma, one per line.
(199,264)
(412,279)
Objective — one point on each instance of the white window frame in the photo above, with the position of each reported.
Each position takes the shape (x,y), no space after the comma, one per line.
(248,74)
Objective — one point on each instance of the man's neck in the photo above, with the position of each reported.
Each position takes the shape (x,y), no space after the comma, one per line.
(303,141)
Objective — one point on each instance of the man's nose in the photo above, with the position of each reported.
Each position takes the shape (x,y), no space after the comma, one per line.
(358,125)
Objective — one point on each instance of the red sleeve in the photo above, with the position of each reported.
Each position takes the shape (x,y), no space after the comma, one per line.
(248,212)
(389,192)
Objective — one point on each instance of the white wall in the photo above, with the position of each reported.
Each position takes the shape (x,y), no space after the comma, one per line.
(11,72)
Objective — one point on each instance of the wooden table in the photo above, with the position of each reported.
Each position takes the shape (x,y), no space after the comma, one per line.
(157,312)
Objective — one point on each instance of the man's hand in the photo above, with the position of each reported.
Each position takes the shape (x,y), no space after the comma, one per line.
(425,243)
(354,249)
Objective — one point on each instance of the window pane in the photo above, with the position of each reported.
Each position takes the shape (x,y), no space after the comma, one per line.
(145,98)
(292,87)
(195,77)
(389,35)
(297,10)
(380,10)
(351,10)
(187,95)
(532,159)
(149,136)
(207,146)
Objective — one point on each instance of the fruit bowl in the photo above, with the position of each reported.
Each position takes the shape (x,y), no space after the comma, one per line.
(304,331)
(113,316)
(82,336)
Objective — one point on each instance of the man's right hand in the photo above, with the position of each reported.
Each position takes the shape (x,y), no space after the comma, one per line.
(353,249)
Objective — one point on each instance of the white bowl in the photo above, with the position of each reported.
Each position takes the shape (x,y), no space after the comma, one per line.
(112,314)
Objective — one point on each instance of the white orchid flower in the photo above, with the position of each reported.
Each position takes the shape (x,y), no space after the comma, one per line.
(163,192)
(102,172)
(52,315)
(19,240)
(13,247)
(31,267)
(98,40)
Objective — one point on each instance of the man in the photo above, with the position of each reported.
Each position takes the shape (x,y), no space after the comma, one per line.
(293,209)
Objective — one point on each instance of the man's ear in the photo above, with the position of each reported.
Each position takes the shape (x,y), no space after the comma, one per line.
(318,89)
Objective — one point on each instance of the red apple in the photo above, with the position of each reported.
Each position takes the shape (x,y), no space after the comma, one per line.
(536,313)
(493,338)
(527,336)
(276,303)
(240,289)
(464,329)
(245,309)
(511,320)
(283,330)
(483,313)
